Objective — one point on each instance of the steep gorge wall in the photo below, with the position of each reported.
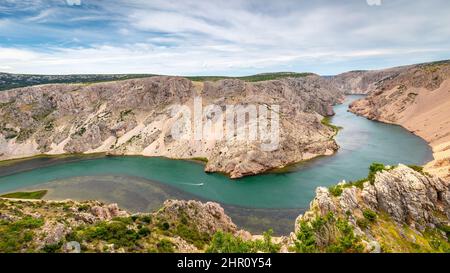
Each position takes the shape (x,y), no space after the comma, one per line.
(133,117)
(418,99)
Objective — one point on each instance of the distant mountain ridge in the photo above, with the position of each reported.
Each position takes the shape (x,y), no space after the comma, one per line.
(351,82)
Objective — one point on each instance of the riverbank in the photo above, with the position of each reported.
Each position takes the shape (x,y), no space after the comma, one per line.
(421,111)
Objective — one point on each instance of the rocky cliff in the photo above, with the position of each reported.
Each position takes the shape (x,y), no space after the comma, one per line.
(133,117)
(362,82)
(68,226)
(417,98)
(397,209)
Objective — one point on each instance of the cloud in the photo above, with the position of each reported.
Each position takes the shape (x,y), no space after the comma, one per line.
(73,2)
(227,37)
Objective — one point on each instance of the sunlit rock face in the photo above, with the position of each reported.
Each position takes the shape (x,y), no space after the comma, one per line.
(134,117)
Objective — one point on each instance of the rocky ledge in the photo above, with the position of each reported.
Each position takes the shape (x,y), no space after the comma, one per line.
(397,209)
(69,226)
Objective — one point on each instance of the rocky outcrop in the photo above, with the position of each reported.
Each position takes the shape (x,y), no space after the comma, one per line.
(418,99)
(133,117)
(65,226)
(401,210)
(108,212)
(209,217)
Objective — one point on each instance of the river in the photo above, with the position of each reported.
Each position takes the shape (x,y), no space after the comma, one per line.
(141,183)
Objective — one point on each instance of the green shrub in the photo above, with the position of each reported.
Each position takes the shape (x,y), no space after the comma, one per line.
(53,248)
(336,191)
(164,226)
(192,235)
(374,169)
(306,240)
(369,215)
(165,246)
(14,236)
(228,243)
(146,219)
(84,207)
(446,229)
(363,223)
(144,231)
(347,242)
(267,245)
(116,233)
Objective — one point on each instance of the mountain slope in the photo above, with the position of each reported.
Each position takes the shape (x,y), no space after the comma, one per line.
(418,98)
(133,117)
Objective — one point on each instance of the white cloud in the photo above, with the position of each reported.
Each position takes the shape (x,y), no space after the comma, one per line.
(232,36)
(141,58)
(73,2)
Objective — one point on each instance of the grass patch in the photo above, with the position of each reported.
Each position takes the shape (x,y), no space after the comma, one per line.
(201,159)
(26,195)
(327,122)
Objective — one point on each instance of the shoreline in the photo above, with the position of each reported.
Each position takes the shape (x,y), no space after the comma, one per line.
(427,165)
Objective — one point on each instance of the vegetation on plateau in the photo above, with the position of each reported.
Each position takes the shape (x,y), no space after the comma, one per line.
(26,195)
(252,78)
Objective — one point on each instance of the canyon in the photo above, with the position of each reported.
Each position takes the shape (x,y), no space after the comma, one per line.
(395,209)
(133,117)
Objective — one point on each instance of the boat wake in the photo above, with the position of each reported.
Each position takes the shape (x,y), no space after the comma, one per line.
(193,184)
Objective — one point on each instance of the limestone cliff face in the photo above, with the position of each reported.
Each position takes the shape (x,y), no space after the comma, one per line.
(133,117)
(418,98)
(401,211)
(362,82)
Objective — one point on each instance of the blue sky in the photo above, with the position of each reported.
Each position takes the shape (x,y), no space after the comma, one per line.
(232,37)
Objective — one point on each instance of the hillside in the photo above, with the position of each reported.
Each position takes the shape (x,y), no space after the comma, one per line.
(133,117)
(395,209)
(417,98)
(10,81)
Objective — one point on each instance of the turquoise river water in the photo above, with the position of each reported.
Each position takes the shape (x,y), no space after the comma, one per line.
(362,142)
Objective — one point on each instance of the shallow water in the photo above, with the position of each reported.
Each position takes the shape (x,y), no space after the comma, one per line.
(362,142)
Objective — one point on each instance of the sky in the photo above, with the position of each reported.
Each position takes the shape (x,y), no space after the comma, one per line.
(215,37)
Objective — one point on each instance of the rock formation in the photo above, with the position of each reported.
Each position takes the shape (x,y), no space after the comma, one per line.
(62,226)
(402,210)
(417,98)
(133,117)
